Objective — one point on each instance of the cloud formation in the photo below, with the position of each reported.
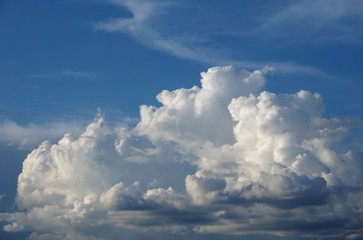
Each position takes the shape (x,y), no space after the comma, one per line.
(32,135)
(225,157)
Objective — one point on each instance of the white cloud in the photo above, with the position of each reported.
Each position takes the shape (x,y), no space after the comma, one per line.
(13,227)
(186,113)
(167,196)
(204,189)
(222,158)
(32,135)
(143,28)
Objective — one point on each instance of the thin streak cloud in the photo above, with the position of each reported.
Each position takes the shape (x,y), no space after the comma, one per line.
(63,73)
(142,27)
(314,21)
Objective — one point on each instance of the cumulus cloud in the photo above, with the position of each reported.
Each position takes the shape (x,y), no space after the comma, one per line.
(225,157)
(186,114)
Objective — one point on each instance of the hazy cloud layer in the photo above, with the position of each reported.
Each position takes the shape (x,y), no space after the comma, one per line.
(32,135)
(225,157)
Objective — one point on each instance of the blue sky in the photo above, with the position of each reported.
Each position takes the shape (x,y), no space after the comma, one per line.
(62,61)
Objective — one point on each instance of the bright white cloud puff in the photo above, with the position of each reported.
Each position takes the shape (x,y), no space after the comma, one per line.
(222,158)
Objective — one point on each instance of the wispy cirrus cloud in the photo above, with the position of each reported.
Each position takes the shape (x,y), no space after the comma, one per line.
(153,24)
(143,27)
(63,73)
(315,21)
(73,73)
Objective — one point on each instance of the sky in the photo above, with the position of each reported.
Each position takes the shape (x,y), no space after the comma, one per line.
(140,119)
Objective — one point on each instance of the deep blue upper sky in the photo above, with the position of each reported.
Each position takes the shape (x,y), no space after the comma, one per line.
(54,62)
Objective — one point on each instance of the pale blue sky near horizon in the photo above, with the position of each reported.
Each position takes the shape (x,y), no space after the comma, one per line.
(62,60)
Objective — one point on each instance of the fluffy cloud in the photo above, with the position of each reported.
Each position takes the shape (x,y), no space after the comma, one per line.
(222,158)
(199,115)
